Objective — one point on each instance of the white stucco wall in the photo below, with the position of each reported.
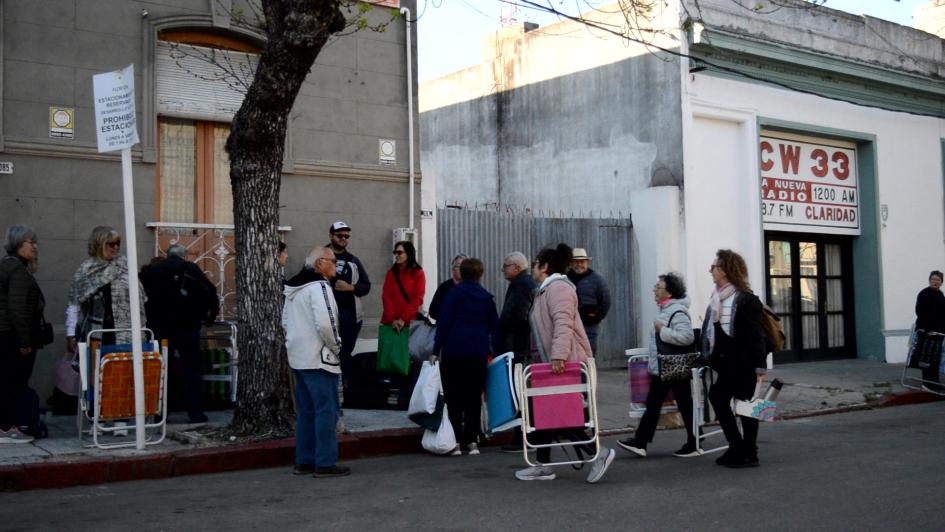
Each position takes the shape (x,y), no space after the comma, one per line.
(722,191)
(657,233)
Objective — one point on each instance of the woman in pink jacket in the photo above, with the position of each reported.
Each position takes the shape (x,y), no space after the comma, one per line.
(558,337)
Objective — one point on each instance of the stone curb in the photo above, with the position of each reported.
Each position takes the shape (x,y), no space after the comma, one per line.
(278,453)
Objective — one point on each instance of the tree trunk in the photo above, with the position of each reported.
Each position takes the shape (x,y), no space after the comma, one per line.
(296,30)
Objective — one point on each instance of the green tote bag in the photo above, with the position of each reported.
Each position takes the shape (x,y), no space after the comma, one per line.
(393,354)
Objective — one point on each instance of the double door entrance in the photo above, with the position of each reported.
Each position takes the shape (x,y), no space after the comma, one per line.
(809,285)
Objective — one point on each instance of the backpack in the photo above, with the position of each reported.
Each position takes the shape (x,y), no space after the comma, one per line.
(771,325)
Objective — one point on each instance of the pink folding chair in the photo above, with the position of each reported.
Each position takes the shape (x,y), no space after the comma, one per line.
(559,402)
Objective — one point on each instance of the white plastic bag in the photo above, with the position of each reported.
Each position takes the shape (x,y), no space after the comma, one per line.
(427,389)
(443,440)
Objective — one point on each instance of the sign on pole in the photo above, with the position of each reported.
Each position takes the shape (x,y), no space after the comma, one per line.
(116,129)
(115,109)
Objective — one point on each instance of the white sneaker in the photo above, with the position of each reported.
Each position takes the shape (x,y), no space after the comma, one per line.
(14,436)
(535,473)
(456,451)
(472,449)
(600,466)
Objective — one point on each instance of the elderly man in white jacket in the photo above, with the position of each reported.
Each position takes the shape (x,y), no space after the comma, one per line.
(312,338)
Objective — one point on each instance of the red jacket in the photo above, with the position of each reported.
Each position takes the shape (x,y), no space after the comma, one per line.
(395,306)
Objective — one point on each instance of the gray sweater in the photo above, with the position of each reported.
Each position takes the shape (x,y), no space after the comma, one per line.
(679,332)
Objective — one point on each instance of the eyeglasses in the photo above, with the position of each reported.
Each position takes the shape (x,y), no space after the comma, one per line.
(504,266)
(332,260)
(659,287)
(114,244)
(398,252)
(33,242)
(340,236)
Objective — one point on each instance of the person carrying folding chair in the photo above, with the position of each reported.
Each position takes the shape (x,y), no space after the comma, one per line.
(557,337)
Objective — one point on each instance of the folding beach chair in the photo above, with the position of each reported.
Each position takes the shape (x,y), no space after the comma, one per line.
(107,393)
(638,383)
(565,403)
(702,411)
(502,410)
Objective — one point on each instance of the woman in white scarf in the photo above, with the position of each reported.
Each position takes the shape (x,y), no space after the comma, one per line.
(98,297)
(734,343)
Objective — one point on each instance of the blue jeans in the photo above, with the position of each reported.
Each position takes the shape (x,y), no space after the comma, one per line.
(316,399)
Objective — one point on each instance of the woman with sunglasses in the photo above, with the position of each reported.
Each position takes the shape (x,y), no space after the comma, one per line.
(734,343)
(98,298)
(404,287)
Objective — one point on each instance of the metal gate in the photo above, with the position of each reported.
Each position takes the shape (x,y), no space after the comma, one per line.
(491,234)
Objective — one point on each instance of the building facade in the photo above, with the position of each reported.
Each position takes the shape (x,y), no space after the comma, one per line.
(807,139)
(347,148)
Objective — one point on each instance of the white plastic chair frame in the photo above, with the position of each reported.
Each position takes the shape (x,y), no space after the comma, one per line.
(588,388)
(699,395)
(95,416)
(917,383)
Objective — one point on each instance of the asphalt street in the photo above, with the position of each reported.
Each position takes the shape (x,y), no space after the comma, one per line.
(872,470)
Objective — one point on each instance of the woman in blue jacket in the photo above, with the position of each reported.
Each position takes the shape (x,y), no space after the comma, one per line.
(466,333)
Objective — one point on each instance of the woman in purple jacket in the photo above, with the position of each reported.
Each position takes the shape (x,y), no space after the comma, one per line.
(466,333)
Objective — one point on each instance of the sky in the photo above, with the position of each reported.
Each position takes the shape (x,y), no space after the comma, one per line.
(449,31)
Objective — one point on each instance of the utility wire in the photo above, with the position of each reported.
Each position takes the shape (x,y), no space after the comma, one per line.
(702,60)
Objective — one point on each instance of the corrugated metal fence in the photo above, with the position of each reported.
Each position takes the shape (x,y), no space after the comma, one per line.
(490,234)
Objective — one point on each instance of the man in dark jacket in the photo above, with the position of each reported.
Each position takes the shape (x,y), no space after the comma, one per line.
(518,303)
(180,300)
(593,294)
(349,285)
(516,330)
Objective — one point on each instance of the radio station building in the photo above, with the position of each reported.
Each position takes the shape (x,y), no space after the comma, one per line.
(807,139)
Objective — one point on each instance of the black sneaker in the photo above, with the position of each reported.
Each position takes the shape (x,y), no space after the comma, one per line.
(332,471)
(745,459)
(730,456)
(634,445)
(688,451)
(303,469)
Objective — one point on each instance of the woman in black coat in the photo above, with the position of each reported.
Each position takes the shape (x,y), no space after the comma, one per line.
(930,317)
(21,326)
(734,342)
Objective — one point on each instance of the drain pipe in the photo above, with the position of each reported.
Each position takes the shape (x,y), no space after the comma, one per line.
(406,12)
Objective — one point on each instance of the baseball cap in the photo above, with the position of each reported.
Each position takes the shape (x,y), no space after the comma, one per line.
(338,226)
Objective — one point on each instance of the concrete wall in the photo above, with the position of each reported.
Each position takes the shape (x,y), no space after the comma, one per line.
(554,122)
(355,95)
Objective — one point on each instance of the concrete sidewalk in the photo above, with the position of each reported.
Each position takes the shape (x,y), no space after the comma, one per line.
(813,388)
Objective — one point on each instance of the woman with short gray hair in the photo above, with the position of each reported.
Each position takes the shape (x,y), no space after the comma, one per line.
(22,329)
(671,333)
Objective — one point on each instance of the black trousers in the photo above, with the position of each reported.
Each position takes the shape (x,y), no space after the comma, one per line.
(654,403)
(348,329)
(739,386)
(15,372)
(187,345)
(464,379)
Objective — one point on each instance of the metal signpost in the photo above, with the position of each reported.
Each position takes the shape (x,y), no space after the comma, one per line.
(115,126)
